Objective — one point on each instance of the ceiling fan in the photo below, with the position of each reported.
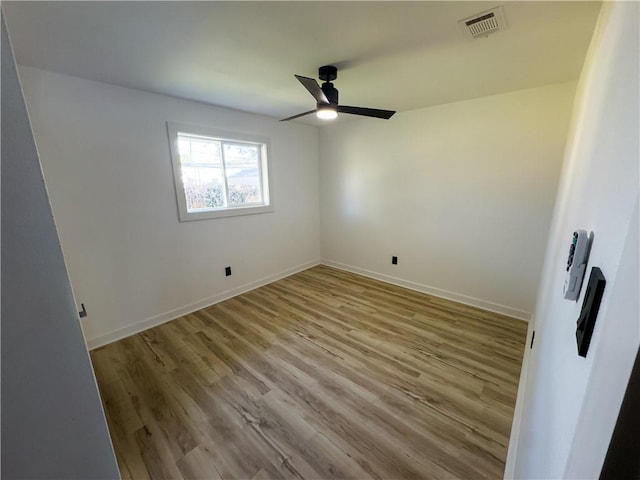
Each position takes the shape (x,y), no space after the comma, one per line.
(327,98)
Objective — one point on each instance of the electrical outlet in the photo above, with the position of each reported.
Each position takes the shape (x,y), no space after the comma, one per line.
(227,271)
(394,260)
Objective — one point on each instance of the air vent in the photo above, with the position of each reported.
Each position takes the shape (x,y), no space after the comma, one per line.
(483,24)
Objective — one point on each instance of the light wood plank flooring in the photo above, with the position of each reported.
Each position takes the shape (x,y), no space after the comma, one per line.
(324,374)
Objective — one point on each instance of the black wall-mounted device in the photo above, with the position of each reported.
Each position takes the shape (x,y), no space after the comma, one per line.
(590,306)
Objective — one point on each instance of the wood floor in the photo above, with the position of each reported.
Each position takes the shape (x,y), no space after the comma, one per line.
(324,374)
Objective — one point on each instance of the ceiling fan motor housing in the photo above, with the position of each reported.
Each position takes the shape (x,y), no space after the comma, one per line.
(327,74)
(330,92)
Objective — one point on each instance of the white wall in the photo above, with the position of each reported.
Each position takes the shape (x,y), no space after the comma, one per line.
(462,193)
(53,425)
(105,155)
(570,403)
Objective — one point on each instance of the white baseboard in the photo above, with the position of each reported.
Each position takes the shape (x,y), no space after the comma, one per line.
(514,437)
(437,292)
(156,320)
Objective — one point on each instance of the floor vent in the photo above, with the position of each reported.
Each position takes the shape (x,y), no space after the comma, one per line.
(483,24)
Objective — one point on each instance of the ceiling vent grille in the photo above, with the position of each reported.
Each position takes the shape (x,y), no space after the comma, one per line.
(483,24)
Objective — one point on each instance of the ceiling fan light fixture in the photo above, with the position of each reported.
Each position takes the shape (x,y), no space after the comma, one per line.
(326,112)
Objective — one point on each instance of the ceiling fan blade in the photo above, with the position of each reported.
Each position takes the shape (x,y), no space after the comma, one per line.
(366,112)
(314,89)
(299,115)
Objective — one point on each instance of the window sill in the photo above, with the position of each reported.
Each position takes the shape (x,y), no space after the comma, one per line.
(222,213)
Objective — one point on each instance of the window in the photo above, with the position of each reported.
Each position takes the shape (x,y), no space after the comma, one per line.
(218,174)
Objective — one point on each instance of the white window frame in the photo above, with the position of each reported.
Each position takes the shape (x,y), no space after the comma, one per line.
(266,206)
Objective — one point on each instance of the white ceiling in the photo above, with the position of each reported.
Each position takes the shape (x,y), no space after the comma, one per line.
(392,55)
